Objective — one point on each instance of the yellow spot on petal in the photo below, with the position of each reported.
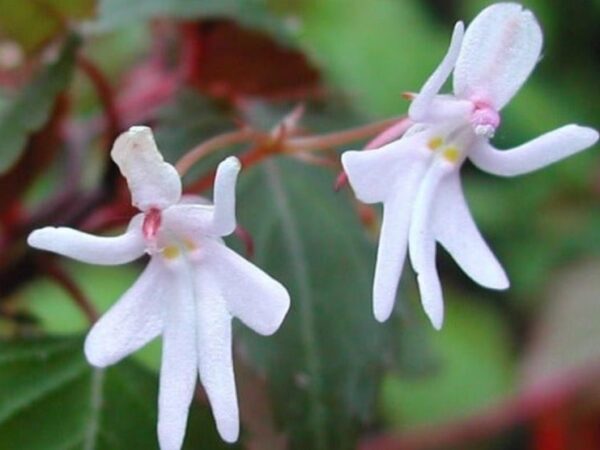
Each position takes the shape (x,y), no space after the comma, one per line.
(171,252)
(434,143)
(452,154)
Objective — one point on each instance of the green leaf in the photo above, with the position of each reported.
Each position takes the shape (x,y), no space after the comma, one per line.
(474,368)
(374,52)
(32,107)
(33,23)
(50,399)
(325,363)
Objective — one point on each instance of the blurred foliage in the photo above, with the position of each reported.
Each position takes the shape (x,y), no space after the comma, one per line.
(332,371)
(32,107)
(48,383)
(33,23)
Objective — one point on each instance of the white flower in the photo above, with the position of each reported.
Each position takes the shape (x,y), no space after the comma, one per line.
(417,176)
(189,291)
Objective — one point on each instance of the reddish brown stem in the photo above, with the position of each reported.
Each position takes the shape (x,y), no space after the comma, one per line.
(56,272)
(211,145)
(337,138)
(249,158)
(526,406)
(105,96)
(244,235)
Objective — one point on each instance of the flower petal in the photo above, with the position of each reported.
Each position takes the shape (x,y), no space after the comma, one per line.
(393,238)
(250,294)
(376,174)
(215,360)
(89,248)
(189,217)
(500,49)
(421,242)
(421,104)
(132,322)
(224,196)
(454,228)
(153,182)
(538,153)
(179,357)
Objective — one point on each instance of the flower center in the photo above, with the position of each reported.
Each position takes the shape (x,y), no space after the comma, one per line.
(151,225)
(484,120)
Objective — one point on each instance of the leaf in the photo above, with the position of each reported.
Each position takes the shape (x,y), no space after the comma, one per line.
(50,399)
(31,109)
(375,52)
(34,23)
(230,61)
(324,365)
(474,368)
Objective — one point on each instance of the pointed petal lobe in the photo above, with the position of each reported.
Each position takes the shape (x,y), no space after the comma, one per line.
(393,239)
(89,248)
(373,173)
(500,49)
(132,322)
(422,244)
(178,371)
(421,104)
(215,360)
(153,182)
(251,295)
(224,196)
(454,228)
(538,153)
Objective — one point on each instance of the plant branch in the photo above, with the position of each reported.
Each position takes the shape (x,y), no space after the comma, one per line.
(105,96)
(487,423)
(337,138)
(213,144)
(81,300)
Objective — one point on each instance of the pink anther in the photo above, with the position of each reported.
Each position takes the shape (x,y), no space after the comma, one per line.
(151,224)
(485,115)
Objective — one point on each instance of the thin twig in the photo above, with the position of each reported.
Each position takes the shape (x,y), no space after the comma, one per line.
(337,138)
(56,272)
(211,145)
(105,96)
(491,421)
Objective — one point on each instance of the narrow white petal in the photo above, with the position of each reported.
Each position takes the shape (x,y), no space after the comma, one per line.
(215,360)
(373,174)
(153,182)
(250,294)
(192,217)
(393,238)
(178,371)
(132,322)
(538,153)
(454,228)
(500,49)
(421,104)
(89,248)
(422,242)
(224,196)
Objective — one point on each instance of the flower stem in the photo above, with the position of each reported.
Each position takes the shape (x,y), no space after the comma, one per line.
(105,96)
(211,145)
(336,138)
(81,300)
